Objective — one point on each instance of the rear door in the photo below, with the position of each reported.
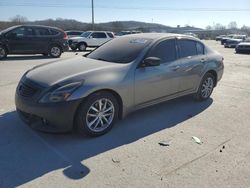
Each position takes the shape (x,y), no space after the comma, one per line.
(192,57)
(42,39)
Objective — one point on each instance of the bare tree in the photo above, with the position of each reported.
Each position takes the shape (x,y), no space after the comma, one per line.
(232,25)
(209,27)
(219,26)
(18,19)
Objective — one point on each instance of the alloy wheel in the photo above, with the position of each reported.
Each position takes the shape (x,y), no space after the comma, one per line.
(207,87)
(100,115)
(55,51)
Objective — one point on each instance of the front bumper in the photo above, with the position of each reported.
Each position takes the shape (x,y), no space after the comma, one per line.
(56,117)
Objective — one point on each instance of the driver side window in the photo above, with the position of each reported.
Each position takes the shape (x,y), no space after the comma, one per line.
(164,50)
(20,32)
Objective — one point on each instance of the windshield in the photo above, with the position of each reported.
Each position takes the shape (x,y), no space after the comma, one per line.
(120,50)
(85,34)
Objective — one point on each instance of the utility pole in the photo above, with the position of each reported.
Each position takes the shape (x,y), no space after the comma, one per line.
(93,20)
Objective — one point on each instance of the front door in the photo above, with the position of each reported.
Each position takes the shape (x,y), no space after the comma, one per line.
(152,83)
(20,40)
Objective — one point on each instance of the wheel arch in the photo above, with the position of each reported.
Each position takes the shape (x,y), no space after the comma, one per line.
(114,93)
(214,73)
(82,42)
(55,44)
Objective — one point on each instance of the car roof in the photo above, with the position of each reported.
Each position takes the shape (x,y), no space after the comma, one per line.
(100,31)
(41,26)
(157,36)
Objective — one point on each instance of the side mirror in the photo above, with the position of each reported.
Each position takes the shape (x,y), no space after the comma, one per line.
(151,61)
(90,37)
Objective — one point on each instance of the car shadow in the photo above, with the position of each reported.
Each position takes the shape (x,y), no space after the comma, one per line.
(26,154)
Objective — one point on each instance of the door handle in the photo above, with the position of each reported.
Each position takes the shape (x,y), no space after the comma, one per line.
(175,68)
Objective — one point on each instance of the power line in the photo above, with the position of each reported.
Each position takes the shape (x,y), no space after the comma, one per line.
(59,5)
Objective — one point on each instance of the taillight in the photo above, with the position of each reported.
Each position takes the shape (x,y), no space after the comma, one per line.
(65,36)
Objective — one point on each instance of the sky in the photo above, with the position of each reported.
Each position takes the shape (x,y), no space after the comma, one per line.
(199,13)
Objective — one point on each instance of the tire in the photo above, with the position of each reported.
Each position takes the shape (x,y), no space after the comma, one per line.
(55,51)
(3,52)
(206,87)
(82,47)
(73,48)
(90,118)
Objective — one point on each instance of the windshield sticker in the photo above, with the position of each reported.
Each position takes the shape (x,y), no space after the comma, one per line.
(138,41)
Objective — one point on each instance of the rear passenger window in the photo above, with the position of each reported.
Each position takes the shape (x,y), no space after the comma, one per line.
(165,50)
(42,31)
(98,35)
(54,32)
(110,35)
(186,48)
(200,48)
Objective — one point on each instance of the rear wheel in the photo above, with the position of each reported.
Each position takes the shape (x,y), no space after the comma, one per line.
(206,87)
(82,47)
(97,114)
(55,51)
(3,52)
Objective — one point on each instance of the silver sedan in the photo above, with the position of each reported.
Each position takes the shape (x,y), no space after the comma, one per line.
(125,74)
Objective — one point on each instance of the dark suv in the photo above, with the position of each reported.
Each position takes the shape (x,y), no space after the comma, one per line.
(33,39)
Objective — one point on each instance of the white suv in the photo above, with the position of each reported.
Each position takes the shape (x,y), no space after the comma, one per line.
(90,39)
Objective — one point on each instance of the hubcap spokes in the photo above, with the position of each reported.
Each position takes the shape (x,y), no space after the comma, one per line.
(100,115)
(207,87)
(55,51)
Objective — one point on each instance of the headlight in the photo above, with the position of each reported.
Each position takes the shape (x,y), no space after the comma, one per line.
(60,94)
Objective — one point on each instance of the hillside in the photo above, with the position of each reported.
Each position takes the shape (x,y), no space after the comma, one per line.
(116,26)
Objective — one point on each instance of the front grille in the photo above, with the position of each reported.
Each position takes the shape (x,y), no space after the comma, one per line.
(26,90)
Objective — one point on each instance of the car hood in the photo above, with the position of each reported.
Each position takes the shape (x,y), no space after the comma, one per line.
(77,69)
(77,38)
(244,43)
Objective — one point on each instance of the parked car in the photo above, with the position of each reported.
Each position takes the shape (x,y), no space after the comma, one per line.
(74,33)
(33,39)
(90,39)
(232,43)
(243,47)
(218,38)
(125,74)
(224,39)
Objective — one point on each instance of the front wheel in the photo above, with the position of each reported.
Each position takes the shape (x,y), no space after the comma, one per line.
(3,52)
(55,51)
(97,114)
(82,47)
(206,87)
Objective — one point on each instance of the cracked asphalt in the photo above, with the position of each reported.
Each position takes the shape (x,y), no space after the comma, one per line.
(129,155)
